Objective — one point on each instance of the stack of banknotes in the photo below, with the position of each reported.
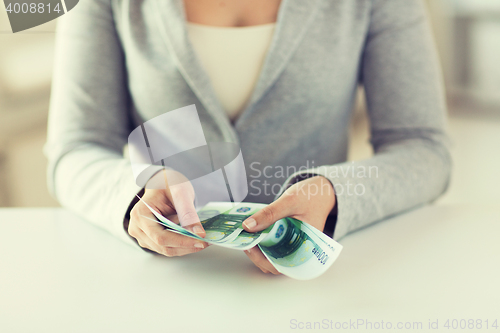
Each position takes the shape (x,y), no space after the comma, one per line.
(295,248)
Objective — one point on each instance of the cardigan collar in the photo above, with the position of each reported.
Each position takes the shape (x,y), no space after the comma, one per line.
(294,17)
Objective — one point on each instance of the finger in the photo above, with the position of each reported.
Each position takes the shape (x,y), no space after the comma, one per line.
(197,228)
(265,268)
(259,267)
(268,215)
(158,200)
(183,200)
(260,260)
(161,236)
(145,242)
(178,251)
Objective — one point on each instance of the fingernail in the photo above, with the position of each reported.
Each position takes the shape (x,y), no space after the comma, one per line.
(250,223)
(247,251)
(197,229)
(199,245)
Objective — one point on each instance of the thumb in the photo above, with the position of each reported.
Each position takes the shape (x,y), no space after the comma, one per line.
(268,215)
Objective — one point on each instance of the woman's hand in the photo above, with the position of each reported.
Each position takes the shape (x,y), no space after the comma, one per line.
(310,201)
(178,198)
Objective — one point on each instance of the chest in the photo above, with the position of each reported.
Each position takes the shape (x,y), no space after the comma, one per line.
(312,65)
(231,13)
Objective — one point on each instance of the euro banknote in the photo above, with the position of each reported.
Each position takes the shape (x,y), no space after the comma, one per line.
(293,247)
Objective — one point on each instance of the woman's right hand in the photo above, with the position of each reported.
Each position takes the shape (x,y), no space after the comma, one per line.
(176,199)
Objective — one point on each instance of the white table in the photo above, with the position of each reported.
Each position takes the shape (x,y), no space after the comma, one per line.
(60,274)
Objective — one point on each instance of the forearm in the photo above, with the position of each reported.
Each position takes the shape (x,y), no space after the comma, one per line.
(95,183)
(400,176)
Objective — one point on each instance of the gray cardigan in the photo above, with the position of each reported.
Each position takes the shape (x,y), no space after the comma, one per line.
(122,62)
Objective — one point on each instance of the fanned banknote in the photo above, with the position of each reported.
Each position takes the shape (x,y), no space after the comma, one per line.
(295,248)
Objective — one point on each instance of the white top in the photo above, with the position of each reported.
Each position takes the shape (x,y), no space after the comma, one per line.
(233,58)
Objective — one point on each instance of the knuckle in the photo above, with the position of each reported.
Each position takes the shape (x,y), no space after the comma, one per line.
(182,188)
(268,213)
(155,238)
(291,197)
(161,239)
(131,231)
(182,242)
(135,212)
(261,261)
(189,216)
(168,252)
(186,242)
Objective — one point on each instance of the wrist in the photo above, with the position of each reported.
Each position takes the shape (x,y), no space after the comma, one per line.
(327,191)
(134,201)
(331,219)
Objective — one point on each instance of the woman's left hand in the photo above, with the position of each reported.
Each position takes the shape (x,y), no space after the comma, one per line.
(310,201)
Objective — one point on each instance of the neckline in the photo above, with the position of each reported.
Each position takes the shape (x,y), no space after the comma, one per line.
(248,27)
(293,20)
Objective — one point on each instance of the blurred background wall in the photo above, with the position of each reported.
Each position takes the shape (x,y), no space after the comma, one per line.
(26,62)
(467,34)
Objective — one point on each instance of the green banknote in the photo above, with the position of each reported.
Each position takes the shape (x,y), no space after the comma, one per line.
(295,248)
(223,221)
(299,250)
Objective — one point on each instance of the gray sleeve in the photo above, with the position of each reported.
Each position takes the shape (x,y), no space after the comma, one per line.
(89,119)
(405,100)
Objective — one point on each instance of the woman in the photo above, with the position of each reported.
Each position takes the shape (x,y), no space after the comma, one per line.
(286,100)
